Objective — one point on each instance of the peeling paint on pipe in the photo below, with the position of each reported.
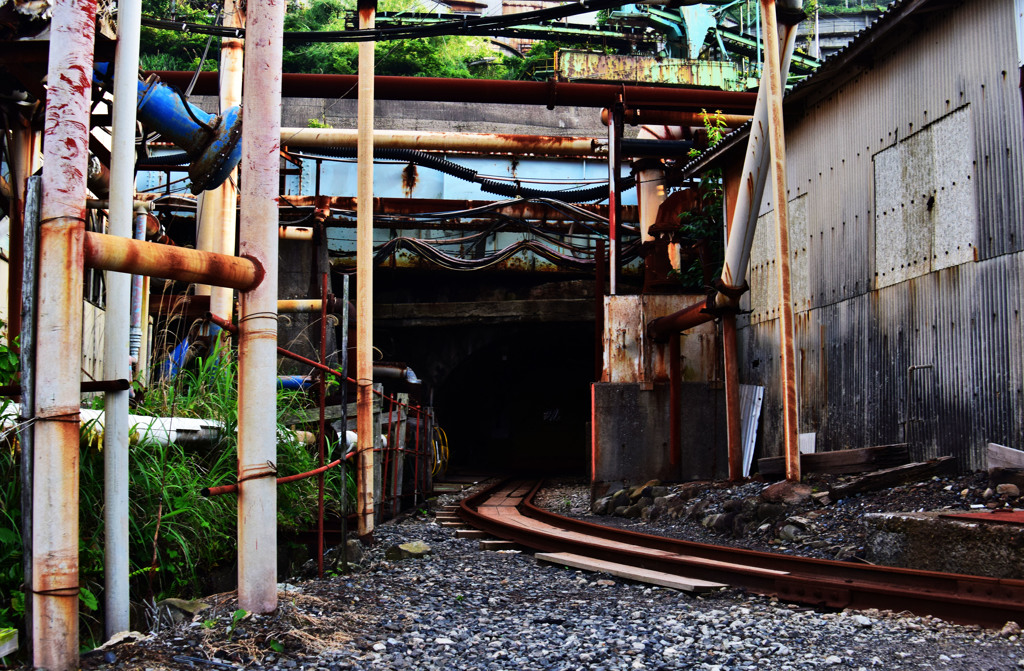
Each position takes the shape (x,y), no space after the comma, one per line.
(55,568)
(486,143)
(257,340)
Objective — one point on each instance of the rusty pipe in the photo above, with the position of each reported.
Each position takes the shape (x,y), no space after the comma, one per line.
(641,117)
(744,219)
(777,140)
(108,252)
(55,493)
(484,143)
(364,273)
(551,94)
(218,207)
(309,305)
(300,233)
(233,489)
(257,338)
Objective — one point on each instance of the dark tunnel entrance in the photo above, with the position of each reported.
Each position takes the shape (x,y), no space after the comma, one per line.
(521,404)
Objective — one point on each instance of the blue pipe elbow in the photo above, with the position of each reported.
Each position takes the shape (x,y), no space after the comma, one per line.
(294,382)
(212,142)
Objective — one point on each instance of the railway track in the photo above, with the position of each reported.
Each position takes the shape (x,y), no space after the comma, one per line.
(506,511)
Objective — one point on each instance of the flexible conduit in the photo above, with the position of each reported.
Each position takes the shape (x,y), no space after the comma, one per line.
(427,160)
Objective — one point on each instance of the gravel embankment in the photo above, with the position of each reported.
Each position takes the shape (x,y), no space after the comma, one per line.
(460,608)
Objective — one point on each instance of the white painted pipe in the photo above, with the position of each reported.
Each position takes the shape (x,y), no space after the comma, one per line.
(218,206)
(257,324)
(756,169)
(116,365)
(55,568)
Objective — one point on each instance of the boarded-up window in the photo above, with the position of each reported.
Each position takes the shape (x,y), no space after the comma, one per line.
(926,214)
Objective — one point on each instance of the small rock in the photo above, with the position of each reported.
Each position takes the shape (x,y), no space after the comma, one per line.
(444,641)
(862,621)
(790,493)
(988,493)
(1008,489)
(1009,629)
(380,647)
(791,532)
(411,550)
(821,498)
(600,506)
(604,582)
(833,659)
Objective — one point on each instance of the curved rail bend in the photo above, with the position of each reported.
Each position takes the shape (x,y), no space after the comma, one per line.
(506,511)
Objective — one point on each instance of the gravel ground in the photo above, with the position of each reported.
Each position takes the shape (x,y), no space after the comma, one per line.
(460,608)
(832,530)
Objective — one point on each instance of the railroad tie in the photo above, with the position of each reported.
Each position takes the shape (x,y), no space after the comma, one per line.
(679,582)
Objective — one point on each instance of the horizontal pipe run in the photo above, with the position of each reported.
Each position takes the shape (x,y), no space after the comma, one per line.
(551,94)
(484,143)
(662,328)
(107,252)
(233,489)
(309,305)
(88,387)
(520,209)
(638,117)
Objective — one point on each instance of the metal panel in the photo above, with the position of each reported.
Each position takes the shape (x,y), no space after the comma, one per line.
(925,202)
(936,358)
(590,66)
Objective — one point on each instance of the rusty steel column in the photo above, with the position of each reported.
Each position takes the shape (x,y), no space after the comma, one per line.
(777,142)
(599,289)
(733,420)
(22,151)
(614,213)
(59,347)
(257,337)
(218,207)
(364,275)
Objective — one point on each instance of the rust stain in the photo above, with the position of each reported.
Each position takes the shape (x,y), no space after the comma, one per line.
(410,177)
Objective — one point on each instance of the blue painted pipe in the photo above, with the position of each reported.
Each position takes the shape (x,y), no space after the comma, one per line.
(294,382)
(212,142)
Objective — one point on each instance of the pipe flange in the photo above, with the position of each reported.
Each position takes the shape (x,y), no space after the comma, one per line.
(222,153)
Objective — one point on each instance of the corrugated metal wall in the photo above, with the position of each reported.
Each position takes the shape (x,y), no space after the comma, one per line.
(908,320)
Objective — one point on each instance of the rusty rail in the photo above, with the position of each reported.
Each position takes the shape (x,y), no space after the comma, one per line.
(989,602)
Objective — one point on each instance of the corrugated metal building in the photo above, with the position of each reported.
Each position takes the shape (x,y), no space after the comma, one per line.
(906,173)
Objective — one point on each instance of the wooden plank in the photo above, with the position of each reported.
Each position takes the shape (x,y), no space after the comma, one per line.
(891,477)
(470,533)
(493,545)
(841,462)
(1000,456)
(453,525)
(630,572)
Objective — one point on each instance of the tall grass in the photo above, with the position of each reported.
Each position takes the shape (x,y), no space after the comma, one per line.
(180,543)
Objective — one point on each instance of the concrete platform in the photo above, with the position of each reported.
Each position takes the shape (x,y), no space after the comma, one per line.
(938,541)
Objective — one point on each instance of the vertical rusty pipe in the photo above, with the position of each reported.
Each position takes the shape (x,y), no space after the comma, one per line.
(675,387)
(320,427)
(22,149)
(614,212)
(218,207)
(777,142)
(364,273)
(344,421)
(732,397)
(116,364)
(599,283)
(33,193)
(257,338)
(59,348)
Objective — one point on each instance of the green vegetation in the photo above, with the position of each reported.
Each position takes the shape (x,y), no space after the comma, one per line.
(703,225)
(180,543)
(442,56)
